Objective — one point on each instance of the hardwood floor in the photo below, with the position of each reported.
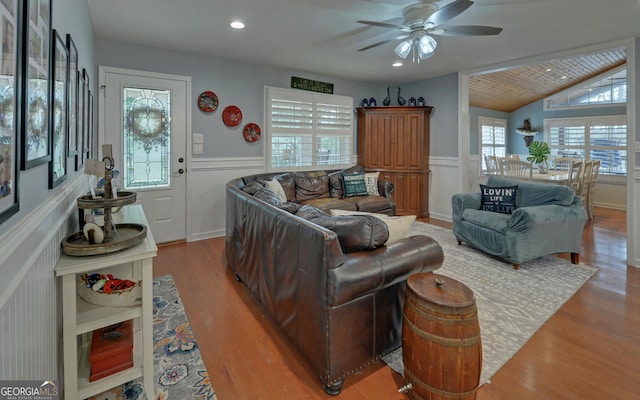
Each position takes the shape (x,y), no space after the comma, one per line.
(590,349)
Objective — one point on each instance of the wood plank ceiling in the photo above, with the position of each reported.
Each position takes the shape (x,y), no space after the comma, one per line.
(512,89)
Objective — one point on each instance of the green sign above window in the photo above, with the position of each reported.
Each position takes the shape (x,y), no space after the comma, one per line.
(311,85)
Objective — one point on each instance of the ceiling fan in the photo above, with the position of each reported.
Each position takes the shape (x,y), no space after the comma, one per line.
(420,20)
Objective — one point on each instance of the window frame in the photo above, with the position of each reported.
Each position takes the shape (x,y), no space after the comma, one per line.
(336,109)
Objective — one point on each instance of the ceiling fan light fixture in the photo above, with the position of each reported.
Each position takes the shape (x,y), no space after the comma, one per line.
(404,48)
(426,47)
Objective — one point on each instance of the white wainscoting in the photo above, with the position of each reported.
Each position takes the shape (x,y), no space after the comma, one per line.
(29,317)
(611,195)
(208,178)
(443,183)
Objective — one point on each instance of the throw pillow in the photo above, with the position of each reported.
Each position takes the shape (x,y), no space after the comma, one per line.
(398,225)
(354,184)
(500,199)
(275,185)
(371,179)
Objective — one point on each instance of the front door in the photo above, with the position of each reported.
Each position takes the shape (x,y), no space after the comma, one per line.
(145,119)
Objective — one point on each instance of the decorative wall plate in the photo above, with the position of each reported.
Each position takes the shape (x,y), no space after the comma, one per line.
(232,116)
(251,132)
(208,101)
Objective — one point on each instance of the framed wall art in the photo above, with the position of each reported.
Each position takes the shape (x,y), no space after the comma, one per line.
(10,19)
(59,110)
(93,140)
(36,142)
(80,121)
(72,96)
(86,138)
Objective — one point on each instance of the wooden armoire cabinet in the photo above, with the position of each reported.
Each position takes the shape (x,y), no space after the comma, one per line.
(395,141)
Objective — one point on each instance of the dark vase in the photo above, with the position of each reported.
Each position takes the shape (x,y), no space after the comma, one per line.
(401,99)
(387,100)
(372,102)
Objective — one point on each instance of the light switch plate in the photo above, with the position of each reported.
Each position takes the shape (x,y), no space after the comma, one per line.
(198,138)
(637,146)
(198,148)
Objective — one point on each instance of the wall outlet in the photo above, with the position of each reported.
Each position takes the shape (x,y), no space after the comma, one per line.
(198,148)
(198,138)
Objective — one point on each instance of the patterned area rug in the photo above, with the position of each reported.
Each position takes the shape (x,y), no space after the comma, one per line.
(512,305)
(179,372)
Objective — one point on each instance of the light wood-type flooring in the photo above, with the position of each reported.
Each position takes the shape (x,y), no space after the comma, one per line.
(590,349)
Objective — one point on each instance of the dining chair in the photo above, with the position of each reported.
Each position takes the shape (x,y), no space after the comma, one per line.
(575,176)
(564,163)
(591,188)
(492,164)
(516,169)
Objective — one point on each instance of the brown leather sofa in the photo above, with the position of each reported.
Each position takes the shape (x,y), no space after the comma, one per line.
(323,190)
(342,310)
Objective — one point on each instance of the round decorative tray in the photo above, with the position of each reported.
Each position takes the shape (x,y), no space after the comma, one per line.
(125,236)
(124,198)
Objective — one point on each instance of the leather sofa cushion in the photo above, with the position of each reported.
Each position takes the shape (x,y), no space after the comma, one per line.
(329,203)
(252,187)
(288,182)
(335,185)
(269,196)
(369,203)
(311,186)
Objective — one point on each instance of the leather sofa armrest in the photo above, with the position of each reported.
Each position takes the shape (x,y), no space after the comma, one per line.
(365,272)
(385,188)
(462,201)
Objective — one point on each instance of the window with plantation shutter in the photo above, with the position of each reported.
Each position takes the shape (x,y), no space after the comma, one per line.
(306,130)
(601,138)
(493,138)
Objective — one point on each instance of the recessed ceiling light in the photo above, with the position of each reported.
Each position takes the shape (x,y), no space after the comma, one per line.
(237,25)
(548,69)
(564,77)
(397,64)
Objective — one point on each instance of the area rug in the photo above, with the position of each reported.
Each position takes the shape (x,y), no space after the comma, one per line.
(512,304)
(179,372)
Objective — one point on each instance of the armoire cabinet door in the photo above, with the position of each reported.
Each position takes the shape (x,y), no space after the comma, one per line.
(395,141)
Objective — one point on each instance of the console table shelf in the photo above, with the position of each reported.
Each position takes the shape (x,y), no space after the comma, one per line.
(80,318)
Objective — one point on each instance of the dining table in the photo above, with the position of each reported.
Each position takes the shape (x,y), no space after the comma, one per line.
(557,177)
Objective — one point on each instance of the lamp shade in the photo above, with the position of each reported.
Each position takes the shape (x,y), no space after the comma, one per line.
(404,48)
(426,46)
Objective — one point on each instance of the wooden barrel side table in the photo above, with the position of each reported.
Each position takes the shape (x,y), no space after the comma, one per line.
(441,345)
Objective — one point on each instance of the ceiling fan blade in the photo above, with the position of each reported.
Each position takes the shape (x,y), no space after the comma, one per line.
(381,24)
(465,30)
(447,12)
(383,42)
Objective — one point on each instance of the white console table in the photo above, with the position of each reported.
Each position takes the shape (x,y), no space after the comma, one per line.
(80,318)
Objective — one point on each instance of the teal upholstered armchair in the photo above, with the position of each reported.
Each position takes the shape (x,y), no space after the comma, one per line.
(547,219)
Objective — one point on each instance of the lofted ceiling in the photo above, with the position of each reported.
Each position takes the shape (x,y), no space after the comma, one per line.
(511,89)
(322,37)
